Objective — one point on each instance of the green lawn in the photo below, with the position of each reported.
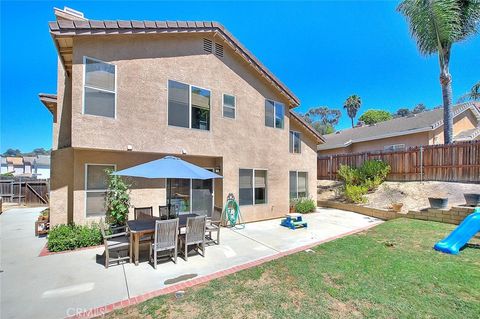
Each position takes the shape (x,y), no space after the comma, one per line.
(390,271)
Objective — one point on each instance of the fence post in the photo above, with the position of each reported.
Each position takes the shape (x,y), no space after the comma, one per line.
(421,163)
(330,167)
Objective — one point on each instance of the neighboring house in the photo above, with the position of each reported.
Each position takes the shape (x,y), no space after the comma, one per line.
(28,164)
(42,167)
(15,165)
(3,166)
(421,129)
(133,91)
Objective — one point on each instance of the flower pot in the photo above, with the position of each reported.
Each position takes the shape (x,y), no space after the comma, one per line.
(397,207)
(292,209)
(472,199)
(438,202)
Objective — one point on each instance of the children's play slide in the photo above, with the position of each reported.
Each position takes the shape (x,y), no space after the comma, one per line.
(461,235)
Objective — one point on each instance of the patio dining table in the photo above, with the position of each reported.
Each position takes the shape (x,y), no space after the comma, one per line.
(145,227)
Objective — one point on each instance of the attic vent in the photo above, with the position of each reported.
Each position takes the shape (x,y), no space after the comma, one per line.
(219,50)
(207,45)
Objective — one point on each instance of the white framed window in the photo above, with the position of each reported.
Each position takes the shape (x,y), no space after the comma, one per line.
(298,184)
(99,88)
(394,147)
(252,186)
(96,188)
(274,114)
(295,142)
(188,106)
(229,106)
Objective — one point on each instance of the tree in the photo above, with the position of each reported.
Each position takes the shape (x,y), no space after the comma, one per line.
(419,108)
(352,105)
(436,25)
(402,112)
(12,152)
(371,117)
(323,119)
(473,95)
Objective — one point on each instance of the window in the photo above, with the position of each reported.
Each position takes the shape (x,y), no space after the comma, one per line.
(252,186)
(229,102)
(99,89)
(188,106)
(295,142)
(274,114)
(298,184)
(395,147)
(95,189)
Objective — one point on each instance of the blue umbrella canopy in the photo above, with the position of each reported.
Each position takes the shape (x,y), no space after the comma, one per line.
(168,167)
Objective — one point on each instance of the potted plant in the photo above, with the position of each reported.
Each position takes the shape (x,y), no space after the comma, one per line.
(395,204)
(438,202)
(293,203)
(472,199)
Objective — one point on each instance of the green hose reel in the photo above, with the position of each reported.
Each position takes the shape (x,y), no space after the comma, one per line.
(231,213)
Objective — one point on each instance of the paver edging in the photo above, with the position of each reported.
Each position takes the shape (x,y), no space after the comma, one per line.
(45,252)
(102,310)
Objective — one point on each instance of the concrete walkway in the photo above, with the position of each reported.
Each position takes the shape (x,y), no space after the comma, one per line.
(62,285)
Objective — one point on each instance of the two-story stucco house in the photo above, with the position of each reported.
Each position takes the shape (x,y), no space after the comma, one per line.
(133,91)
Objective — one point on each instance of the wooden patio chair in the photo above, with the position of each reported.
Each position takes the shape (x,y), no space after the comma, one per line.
(163,212)
(212,226)
(141,213)
(165,239)
(194,235)
(117,242)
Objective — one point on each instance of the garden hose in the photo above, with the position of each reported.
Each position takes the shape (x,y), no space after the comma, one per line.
(231,213)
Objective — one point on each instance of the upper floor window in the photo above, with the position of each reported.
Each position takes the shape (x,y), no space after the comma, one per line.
(229,104)
(188,106)
(274,114)
(252,186)
(295,142)
(99,88)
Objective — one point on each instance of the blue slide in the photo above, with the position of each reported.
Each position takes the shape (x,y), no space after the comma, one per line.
(461,235)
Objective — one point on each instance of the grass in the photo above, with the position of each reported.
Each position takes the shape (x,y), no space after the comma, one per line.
(390,271)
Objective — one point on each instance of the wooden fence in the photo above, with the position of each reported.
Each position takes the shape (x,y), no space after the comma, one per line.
(29,192)
(459,162)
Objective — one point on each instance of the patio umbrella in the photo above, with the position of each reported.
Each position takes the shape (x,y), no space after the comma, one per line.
(168,167)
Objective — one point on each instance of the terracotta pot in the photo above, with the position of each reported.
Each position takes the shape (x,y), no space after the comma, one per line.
(438,202)
(397,207)
(292,209)
(472,199)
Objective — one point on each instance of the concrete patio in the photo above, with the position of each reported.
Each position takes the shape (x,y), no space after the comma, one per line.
(66,284)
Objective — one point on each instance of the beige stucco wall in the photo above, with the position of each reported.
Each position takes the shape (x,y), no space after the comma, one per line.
(409,140)
(144,66)
(462,122)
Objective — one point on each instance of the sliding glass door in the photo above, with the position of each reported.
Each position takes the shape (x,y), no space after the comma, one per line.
(191,196)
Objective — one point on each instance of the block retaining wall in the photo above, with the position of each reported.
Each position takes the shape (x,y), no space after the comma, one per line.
(455,215)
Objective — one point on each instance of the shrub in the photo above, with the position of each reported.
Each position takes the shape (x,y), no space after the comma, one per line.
(69,237)
(374,169)
(348,174)
(354,193)
(305,205)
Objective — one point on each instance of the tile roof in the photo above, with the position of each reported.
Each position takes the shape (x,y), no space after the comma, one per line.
(422,122)
(467,135)
(64,28)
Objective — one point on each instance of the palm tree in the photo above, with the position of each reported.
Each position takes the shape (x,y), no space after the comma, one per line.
(473,95)
(436,25)
(352,104)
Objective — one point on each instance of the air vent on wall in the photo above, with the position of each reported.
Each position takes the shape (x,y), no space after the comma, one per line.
(207,45)
(219,50)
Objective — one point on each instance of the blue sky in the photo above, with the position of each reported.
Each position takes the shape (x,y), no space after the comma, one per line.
(323,51)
